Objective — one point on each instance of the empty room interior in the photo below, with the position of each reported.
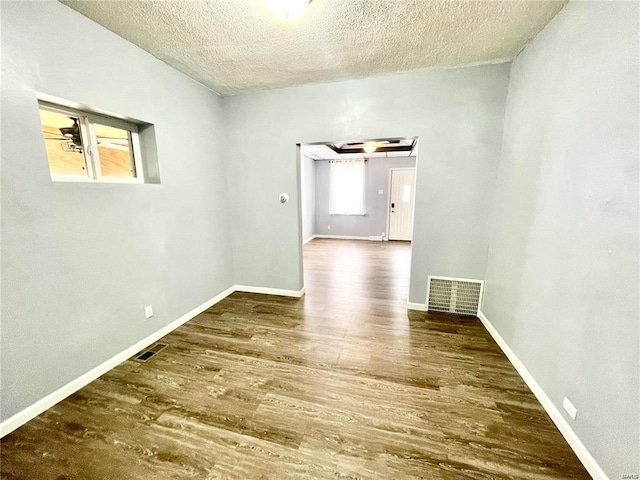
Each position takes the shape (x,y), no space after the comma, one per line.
(278,239)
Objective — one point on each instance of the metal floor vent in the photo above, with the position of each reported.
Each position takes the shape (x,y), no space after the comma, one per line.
(150,352)
(454,295)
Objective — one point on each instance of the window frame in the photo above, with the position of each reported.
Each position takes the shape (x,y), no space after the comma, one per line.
(90,146)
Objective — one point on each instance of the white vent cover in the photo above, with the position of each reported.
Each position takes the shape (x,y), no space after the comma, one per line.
(454,295)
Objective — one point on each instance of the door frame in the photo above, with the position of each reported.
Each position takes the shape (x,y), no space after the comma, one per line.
(391,170)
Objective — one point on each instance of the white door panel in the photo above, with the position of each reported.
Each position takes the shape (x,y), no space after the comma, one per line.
(401,203)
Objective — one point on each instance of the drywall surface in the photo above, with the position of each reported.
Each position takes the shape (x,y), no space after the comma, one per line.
(308,177)
(375,221)
(80,261)
(456,113)
(562,275)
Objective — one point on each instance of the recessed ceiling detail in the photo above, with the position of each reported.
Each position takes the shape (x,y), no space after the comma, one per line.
(394,145)
(235,46)
(388,147)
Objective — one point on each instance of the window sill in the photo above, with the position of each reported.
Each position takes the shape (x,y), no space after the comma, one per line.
(72,179)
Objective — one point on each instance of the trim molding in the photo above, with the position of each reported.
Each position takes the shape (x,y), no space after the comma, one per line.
(565,428)
(417,306)
(269,291)
(372,238)
(343,237)
(309,239)
(22,417)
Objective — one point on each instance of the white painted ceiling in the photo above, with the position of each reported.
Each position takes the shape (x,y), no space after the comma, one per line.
(235,46)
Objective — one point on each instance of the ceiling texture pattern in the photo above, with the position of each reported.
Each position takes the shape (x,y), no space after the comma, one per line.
(235,46)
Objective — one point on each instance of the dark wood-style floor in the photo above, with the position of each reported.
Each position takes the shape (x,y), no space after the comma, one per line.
(342,383)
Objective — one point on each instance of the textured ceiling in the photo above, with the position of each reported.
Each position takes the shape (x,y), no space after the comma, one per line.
(234,46)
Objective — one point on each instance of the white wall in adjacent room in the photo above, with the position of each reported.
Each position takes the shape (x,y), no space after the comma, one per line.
(308,191)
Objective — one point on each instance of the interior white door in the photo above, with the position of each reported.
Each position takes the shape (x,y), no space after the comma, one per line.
(401,203)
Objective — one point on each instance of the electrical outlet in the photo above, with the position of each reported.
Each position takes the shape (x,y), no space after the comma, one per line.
(328,227)
(568,406)
(380,192)
(148,311)
(382,234)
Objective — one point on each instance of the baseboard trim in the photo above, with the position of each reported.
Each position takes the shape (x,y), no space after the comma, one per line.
(417,306)
(22,417)
(269,291)
(375,238)
(32,411)
(346,237)
(565,429)
(309,239)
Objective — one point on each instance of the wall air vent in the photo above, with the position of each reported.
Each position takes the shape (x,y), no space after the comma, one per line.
(454,295)
(150,352)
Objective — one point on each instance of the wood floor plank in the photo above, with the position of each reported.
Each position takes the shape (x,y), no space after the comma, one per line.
(342,383)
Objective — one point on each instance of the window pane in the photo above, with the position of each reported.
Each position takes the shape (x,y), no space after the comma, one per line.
(63,143)
(115,151)
(406,193)
(346,187)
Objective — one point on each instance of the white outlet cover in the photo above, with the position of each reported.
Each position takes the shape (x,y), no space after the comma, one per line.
(380,192)
(569,407)
(328,227)
(148,311)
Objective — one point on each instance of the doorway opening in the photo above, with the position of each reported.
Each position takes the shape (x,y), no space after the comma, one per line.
(357,211)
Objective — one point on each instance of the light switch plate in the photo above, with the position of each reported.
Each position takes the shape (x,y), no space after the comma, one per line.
(148,311)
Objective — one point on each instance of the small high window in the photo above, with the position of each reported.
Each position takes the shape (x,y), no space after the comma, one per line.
(84,146)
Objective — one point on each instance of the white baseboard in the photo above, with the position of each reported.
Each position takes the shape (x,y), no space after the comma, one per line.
(375,238)
(417,306)
(22,417)
(309,239)
(269,291)
(346,237)
(567,432)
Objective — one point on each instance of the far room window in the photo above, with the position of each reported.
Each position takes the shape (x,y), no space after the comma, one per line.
(84,146)
(346,187)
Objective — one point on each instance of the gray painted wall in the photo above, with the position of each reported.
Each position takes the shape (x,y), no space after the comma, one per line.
(562,276)
(375,221)
(80,261)
(457,114)
(308,190)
